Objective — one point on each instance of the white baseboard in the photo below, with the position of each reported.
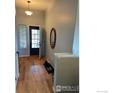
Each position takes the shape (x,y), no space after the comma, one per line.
(24,55)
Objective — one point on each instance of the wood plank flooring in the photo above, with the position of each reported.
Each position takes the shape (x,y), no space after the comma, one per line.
(33,76)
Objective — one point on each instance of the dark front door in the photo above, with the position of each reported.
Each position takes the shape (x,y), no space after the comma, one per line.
(34,40)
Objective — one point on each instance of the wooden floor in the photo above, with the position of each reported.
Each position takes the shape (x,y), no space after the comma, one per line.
(33,76)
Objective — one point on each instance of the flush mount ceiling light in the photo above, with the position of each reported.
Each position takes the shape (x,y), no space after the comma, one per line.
(28,12)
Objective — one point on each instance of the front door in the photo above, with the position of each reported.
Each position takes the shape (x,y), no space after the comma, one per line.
(34,40)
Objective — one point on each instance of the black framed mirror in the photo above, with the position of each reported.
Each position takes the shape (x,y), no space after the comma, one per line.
(53,38)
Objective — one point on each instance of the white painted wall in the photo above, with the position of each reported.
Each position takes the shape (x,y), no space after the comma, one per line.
(61,16)
(37,19)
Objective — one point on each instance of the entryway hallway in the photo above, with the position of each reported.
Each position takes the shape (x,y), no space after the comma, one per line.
(33,76)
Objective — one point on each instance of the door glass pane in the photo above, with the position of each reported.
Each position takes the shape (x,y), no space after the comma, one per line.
(35,38)
(34,31)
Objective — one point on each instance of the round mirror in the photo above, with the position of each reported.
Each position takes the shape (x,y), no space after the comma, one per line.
(53,38)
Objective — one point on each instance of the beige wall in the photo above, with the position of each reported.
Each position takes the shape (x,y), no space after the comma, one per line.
(37,19)
(62,17)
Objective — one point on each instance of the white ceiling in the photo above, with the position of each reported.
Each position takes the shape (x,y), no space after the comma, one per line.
(35,4)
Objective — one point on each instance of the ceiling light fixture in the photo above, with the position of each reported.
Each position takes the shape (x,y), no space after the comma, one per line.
(28,12)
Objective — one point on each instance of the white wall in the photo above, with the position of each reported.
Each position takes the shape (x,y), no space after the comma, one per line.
(61,16)
(37,19)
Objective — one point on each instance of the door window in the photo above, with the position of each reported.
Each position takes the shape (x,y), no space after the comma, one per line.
(35,38)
